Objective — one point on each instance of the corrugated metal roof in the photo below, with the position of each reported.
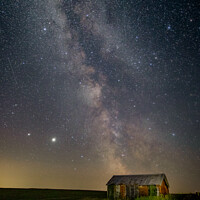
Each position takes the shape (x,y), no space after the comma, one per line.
(143,179)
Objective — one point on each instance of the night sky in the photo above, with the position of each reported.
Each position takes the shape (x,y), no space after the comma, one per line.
(93,88)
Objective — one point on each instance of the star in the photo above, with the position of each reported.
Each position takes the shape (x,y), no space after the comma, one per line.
(53,139)
(169,27)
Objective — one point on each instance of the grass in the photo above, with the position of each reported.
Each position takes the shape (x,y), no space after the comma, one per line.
(48,194)
(172,197)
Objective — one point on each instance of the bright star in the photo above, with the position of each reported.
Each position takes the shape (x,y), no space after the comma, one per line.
(169,27)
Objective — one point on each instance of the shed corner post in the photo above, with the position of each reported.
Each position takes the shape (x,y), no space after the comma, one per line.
(107,192)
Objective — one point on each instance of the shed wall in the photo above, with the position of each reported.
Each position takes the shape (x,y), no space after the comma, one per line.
(152,190)
(143,190)
(122,191)
(163,189)
(110,192)
(129,192)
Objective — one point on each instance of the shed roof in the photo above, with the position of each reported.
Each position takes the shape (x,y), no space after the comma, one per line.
(142,179)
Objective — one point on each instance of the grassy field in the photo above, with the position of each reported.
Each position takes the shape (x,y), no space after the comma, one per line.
(173,197)
(48,194)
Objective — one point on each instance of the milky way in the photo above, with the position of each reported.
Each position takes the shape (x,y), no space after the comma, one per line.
(95,88)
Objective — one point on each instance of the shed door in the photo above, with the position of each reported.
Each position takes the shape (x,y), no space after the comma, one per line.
(123,191)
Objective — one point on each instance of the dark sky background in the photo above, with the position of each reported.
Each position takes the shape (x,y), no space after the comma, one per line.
(90,88)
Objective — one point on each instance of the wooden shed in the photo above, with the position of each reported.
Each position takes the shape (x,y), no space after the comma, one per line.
(132,186)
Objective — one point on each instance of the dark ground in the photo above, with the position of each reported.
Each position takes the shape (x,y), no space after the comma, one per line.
(50,194)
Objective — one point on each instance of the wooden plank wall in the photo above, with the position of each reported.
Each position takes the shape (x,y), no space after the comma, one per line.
(143,190)
(123,191)
(163,189)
